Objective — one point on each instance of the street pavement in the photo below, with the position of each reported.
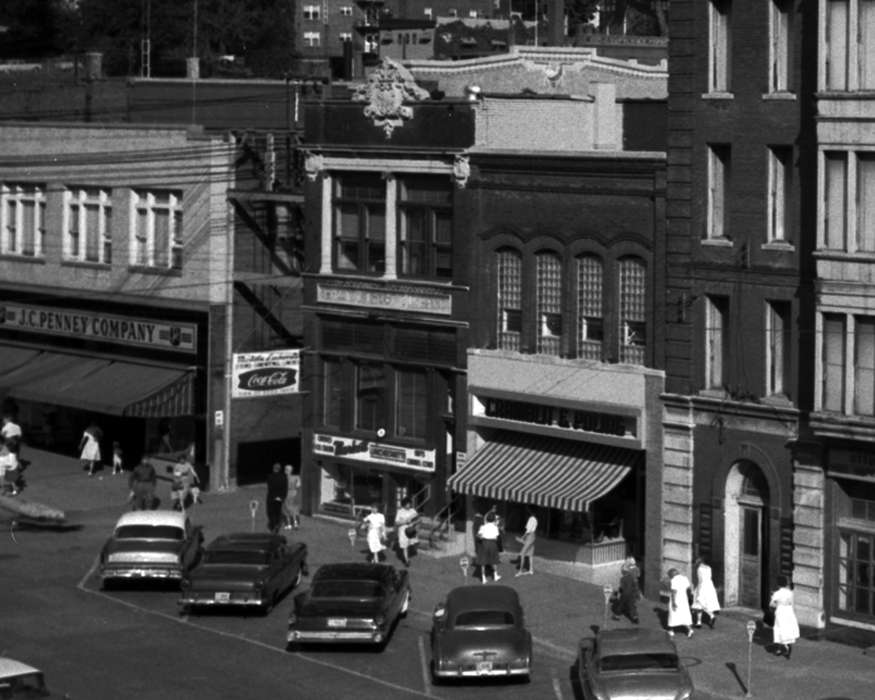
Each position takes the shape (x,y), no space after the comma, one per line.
(559,610)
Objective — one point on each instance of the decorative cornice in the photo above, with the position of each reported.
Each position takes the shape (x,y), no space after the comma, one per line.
(386,91)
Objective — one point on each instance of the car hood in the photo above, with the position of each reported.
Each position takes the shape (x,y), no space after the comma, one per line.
(340,607)
(506,643)
(652,685)
(130,545)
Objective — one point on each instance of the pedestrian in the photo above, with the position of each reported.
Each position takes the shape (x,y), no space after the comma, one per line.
(405,528)
(117,466)
(11,434)
(476,523)
(705,595)
(528,545)
(184,479)
(142,483)
(89,448)
(629,591)
(489,534)
(499,523)
(785,631)
(9,473)
(679,614)
(292,504)
(277,490)
(375,524)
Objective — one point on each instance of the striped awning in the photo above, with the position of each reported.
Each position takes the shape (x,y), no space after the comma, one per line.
(548,472)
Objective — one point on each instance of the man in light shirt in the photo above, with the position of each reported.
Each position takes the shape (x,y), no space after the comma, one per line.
(528,543)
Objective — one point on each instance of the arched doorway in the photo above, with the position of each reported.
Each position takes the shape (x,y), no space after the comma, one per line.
(745,535)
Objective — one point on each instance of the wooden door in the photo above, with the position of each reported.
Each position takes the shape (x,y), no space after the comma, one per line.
(751,556)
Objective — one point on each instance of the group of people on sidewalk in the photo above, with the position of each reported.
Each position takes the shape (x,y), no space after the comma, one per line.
(377,532)
(283,498)
(489,535)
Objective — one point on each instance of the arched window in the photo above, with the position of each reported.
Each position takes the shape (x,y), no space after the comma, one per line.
(590,313)
(509,273)
(549,288)
(633,309)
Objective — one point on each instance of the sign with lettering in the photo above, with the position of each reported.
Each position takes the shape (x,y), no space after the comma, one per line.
(266,373)
(376,452)
(95,325)
(395,297)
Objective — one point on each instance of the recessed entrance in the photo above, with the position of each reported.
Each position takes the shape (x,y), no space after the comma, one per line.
(746,535)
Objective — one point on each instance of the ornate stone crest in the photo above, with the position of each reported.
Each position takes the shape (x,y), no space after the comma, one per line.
(461,170)
(386,91)
(314,164)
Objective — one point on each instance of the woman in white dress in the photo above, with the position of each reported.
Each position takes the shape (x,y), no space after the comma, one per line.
(89,448)
(375,522)
(785,632)
(405,519)
(705,595)
(679,603)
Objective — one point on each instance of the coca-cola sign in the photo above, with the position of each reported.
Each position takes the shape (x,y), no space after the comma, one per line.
(266,373)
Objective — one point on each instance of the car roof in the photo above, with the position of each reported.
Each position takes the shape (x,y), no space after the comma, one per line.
(481,597)
(354,570)
(238,541)
(634,641)
(11,667)
(153,517)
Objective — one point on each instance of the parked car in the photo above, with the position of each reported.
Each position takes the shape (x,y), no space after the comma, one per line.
(19,681)
(151,544)
(479,631)
(355,602)
(632,663)
(246,570)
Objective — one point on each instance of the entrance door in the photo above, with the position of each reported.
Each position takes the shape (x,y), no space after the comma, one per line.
(751,556)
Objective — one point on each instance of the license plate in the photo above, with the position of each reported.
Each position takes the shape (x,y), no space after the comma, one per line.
(222,597)
(337,622)
(484,666)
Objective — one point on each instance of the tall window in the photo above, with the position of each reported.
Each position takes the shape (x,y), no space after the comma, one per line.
(88,225)
(719,164)
(360,223)
(780,180)
(864,366)
(856,571)
(332,392)
(425,227)
(849,201)
(590,314)
(835,200)
(411,402)
(850,55)
(157,229)
(509,272)
(22,219)
(778,348)
(716,341)
(370,396)
(548,267)
(633,310)
(312,39)
(837,44)
(780,45)
(311,12)
(719,51)
(865,201)
(866,44)
(833,358)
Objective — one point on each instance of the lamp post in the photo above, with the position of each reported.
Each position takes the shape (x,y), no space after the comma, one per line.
(751,628)
(607,589)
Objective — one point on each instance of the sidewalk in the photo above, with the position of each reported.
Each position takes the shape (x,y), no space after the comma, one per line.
(559,611)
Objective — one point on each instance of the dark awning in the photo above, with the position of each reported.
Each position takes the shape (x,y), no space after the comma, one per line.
(95,384)
(553,473)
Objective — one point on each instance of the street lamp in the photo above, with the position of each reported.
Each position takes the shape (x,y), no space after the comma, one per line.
(751,628)
(607,590)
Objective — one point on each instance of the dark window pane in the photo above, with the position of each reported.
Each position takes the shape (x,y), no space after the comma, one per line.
(370,396)
(751,544)
(332,393)
(411,404)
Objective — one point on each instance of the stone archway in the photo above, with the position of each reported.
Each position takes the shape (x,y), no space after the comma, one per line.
(746,536)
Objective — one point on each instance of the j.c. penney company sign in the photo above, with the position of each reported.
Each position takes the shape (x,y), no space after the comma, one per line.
(76,323)
(266,373)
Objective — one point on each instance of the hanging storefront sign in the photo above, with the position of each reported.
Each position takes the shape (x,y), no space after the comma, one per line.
(266,373)
(376,452)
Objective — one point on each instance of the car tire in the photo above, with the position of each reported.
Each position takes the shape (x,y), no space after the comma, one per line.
(405,606)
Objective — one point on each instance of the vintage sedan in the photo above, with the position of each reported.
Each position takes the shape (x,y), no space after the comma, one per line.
(355,602)
(632,663)
(19,681)
(244,570)
(479,631)
(151,544)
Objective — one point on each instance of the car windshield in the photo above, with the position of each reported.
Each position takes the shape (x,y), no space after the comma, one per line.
(347,589)
(484,618)
(149,532)
(254,558)
(28,685)
(639,662)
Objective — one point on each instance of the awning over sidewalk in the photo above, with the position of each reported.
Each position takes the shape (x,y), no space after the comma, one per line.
(95,384)
(553,473)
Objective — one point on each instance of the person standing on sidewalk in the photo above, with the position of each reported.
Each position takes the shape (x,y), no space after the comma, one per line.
(785,631)
(89,448)
(142,484)
(405,529)
(489,534)
(277,490)
(679,614)
(375,525)
(705,595)
(292,504)
(11,434)
(528,545)
(629,592)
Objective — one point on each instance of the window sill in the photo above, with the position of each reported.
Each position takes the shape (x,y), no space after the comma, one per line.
(714,394)
(39,260)
(780,96)
(88,264)
(777,400)
(784,246)
(145,269)
(827,254)
(718,95)
(718,242)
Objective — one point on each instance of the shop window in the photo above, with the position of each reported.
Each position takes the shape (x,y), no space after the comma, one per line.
(719,162)
(509,266)
(720,47)
(22,219)
(716,341)
(590,314)
(633,310)
(425,223)
(156,220)
(548,267)
(778,348)
(360,223)
(833,360)
(780,159)
(410,403)
(332,392)
(88,225)
(781,56)
(856,572)
(370,396)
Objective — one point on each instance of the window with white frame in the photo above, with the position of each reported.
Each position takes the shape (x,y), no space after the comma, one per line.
(848,216)
(345,36)
(509,274)
(719,50)
(427,11)
(716,341)
(548,270)
(425,226)
(346,10)
(590,312)
(781,45)
(719,168)
(835,200)
(865,202)
(778,348)
(156,221)
(849,38)
(312,12)
(88,224)
(864,366)
(22,219)
(833,363)
(632,273)
(780,164)
(360,223)
(312,39)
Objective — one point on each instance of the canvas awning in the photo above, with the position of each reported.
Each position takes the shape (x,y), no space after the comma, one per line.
(553,473)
